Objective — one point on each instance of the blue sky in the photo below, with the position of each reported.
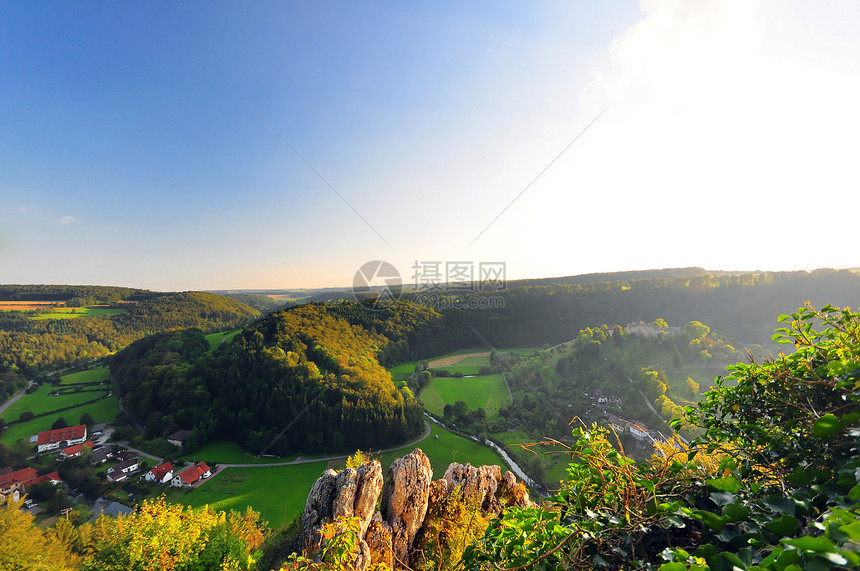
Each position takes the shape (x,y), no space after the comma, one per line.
(149,144)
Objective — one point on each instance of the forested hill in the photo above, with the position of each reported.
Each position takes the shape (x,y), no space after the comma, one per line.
(31,344)
(742,306)
(317,363)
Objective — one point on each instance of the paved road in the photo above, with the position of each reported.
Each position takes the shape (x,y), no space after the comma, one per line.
(13,399)
(140,452)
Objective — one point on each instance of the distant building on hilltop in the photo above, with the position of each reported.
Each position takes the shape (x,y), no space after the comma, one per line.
(649,329)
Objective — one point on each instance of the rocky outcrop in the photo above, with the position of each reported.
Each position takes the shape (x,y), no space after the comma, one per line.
(390,536)
(404,500)
(349,493)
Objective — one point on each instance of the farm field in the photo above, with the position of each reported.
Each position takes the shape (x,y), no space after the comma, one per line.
(74,312)
(88,376)
(485,391)
(25,305)
(227,452)
(277,492)
(39,402)
(215,339)
(447,448)
(466,361)
(103,411)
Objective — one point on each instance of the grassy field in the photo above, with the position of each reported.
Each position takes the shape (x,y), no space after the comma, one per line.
(226,452)
(487,392)
(468,364)
(555,456)
(442,451)
(88,376)
(215,339)
(102,411)
(277,492)
(39,401)
(74,312)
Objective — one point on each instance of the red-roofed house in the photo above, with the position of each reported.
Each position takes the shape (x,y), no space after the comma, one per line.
(14,481)
(53,478)
(189,476)
(76,450)
(61,437)
(162,473)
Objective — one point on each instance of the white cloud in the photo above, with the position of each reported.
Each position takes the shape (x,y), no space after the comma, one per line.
(67,220)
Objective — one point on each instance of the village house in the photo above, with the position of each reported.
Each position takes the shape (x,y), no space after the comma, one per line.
(178,438)
(191,475)
(13,481)
(76,450)
(122,470)
(61,438)
(162,473)
(98,429)
(101,455)
(620,426)
(52,478)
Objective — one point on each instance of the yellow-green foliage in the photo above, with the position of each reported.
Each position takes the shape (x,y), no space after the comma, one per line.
(340,546)
(450,525)
(25,547)
(160,535)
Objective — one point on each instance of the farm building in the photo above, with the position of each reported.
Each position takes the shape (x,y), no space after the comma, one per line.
(61,438)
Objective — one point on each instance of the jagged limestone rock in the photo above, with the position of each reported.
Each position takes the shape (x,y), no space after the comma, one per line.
(514,493)
(477,485)
(318,508)
(349,493)
(404,500)
(411,501)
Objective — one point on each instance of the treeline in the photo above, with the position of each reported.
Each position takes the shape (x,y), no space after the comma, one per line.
(73,295)
(740,306)
(30,345)
(304,373)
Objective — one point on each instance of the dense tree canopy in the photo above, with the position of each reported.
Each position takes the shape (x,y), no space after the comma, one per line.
(306,362)
(31,344)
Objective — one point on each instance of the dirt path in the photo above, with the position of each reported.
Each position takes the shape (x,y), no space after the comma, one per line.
(454,359)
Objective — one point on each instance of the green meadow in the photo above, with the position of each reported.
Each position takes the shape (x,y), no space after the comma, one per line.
(278,493)
(103,411)
(485,391)
(227,452)
(74,312)
(39,402)
(88,376)
(216,339)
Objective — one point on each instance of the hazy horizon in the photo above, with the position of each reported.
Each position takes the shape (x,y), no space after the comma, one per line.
(280,145)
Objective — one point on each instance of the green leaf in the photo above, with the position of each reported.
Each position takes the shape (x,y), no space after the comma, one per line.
(726,484)
(826,426)
(785,526)
(723,498)
(673,567)
(736,512)
(816,544)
